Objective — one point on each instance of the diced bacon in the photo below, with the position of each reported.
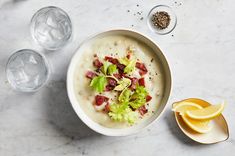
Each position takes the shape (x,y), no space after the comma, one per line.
(97,63)
(99,100)
(141,72)
(142,68)
(142,110)
(148,98)
(109,88)
(134,81)
(142,82)
(107,108)
(112,82)
(120,67)
(128,55)
(111,59)
(90,74)
(117,75)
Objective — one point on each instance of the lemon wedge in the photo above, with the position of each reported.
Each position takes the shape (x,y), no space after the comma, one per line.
(200,126)
(206,113)
(182,107)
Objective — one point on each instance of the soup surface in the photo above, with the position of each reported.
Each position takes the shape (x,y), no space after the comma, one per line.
(116,46)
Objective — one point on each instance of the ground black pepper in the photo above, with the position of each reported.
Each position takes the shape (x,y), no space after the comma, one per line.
(161,19)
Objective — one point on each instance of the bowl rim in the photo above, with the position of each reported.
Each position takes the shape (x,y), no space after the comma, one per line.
(85,118)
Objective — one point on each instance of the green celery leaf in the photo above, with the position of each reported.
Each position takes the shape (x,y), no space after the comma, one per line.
(122,113)
(98,83)
(112,69)
(124,96)
(124,61)
(122,84)
(138,99)
(130,64)
(105,66)
(130,67)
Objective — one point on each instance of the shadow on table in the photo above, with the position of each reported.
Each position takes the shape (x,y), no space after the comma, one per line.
(61,114)
(176,132)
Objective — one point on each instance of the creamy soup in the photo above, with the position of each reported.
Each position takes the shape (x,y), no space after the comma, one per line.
(116,46)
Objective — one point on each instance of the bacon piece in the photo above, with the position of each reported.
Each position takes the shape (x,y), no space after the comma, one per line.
(134,81)
(120,67)
(112,82)
(148,98)
(109,88)
(141,72)
(111,59)
(142,110)
(97,63)
(90,74)
(142,82)
(117,75)
(142,68)
(99,99)
(129,55)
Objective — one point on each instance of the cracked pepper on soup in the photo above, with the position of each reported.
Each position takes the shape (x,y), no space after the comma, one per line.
(118,81)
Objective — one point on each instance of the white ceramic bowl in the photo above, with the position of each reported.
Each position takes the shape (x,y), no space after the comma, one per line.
(111,131)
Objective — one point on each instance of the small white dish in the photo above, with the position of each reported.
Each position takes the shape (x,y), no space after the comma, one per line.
(171,25)
(218,133)
(80,112)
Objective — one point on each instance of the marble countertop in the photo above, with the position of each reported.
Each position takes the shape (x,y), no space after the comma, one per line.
(200,52)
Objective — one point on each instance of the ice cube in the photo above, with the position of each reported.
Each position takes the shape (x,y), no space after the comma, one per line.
(20,76)
(57,34)
(42,28)
(51,20)
(32,60)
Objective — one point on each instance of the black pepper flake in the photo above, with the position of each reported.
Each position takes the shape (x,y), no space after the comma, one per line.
(156,73)
(137,5)
(172,35)
(152,111)
(151,59)
(132,25)
(150,78)
(128,10)
(141,18)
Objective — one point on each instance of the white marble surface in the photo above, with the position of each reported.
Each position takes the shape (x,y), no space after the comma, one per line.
(200,53)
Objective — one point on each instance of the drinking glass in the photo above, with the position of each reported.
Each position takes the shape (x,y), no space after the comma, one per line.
(51,27)
(27,70)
